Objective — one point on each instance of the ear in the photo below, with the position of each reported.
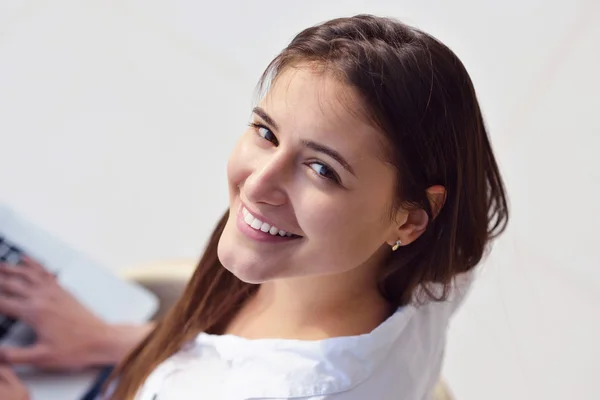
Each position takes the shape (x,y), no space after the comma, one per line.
(413,222)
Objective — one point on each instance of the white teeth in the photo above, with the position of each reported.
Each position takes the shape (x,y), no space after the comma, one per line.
(262,226)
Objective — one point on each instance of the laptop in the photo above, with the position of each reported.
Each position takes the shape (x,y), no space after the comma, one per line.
(97,287)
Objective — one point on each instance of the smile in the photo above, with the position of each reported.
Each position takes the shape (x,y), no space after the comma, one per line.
(258,230)
(259,225)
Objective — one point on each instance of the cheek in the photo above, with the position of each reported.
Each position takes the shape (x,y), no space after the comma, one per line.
(342,231)
(324,215)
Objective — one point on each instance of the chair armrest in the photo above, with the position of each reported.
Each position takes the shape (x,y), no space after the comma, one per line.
(166,280)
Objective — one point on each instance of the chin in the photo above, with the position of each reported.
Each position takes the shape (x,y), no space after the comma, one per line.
(249,278)
(245,271)
(246,267)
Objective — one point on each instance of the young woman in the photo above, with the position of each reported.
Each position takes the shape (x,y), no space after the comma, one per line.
(362,196)
(363,188)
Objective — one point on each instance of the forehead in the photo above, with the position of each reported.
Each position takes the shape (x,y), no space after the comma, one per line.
(313,105)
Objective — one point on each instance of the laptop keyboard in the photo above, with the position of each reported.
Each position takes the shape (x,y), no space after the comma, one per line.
(10,254)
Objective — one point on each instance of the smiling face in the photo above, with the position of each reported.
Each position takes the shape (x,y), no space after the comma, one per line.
(308,166)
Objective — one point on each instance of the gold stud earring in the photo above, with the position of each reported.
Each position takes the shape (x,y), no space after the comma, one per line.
(397,245)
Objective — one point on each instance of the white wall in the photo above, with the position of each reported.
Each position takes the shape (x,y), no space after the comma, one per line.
(116,119)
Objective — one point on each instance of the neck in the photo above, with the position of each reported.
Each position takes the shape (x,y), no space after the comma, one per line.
(314,308)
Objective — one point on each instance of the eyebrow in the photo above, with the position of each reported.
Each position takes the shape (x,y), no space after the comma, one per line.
(330,152)
(263,114)
(308,143)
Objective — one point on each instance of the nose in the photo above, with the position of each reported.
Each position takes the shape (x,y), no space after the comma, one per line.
(266,183)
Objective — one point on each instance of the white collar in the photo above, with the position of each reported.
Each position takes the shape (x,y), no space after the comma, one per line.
(318,367)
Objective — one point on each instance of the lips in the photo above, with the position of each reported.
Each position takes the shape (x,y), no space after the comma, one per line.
(259,225)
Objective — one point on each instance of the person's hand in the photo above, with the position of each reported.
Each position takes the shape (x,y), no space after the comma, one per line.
(68,334)
(11,388)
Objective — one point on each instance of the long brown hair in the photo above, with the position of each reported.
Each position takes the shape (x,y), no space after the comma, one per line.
(420,95)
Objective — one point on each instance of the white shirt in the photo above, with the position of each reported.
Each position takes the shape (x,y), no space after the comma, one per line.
(399,360)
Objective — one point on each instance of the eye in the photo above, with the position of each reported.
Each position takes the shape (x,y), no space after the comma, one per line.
(324,171)
(265,133)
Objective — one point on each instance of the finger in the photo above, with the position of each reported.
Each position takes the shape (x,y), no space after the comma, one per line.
(5,370)
(4,264)
(14,287)
(11,307)
(17,272)
(34,355)
(35,266)
(31,263)
(7,375)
